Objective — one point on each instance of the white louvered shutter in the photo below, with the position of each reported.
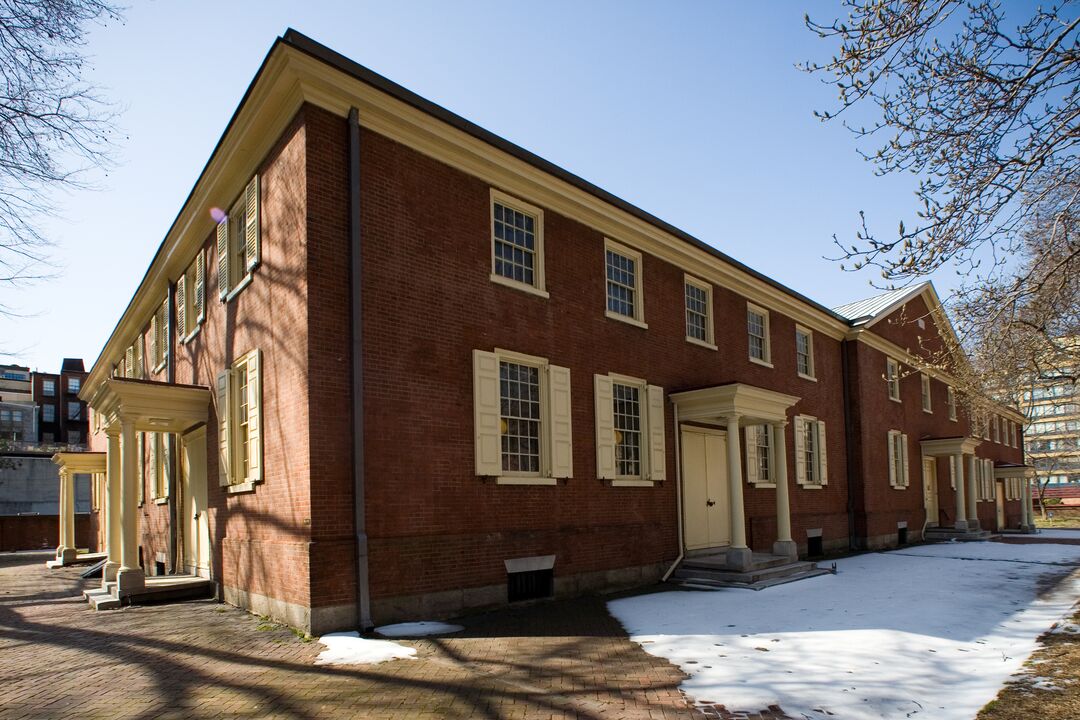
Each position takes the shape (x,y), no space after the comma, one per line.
(800,451)
(952,471)
(487,418)
(181,306)
(165,326)
(154,460)
(223,258)
(657,434)
(224,444)
(254,419)
(167,468)
(561,428)
(154,340)
(200,287)
(140,466)
(822,453)
(129,362)
(893,470)
(251,223)
(752,465)
(904,456)
(605,427)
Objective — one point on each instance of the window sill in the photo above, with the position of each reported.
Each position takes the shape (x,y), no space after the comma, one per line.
(700,343)
(895,400)
(191,335)
(952,419)
(811,378)
(507,282)
(759,361)
(899,487)
(517,480)
(157,368)
(244,282)
(632,482)
(161,500)
(763,485)
(628,320)
(239,488)
(928,412)
(804,486)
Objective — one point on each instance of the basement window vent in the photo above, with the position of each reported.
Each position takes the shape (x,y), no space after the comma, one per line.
(815,547)
(530,585)
(901,536)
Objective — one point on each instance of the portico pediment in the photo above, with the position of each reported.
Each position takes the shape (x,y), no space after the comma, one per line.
(152,406)
(751,404)
(80,462)
(946,447)
(1008,471)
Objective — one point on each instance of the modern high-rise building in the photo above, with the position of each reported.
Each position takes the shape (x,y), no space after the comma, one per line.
(1052,440)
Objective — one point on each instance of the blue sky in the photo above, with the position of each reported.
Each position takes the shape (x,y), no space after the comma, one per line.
(693,111)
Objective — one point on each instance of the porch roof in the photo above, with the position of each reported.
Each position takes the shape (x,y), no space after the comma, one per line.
(151,405)
(751,403)
(1005,471)
(944,447)
(80,462)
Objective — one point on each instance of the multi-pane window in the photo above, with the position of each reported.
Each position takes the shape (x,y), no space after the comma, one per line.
(899,476)
(757,328)
(11,424)
(810,451)
(243,420)
(74,437)
(811,468)
(238,241)
(804,352)
(996,429)
(627,416)
(892,378)
(48,388)
(519,401)
(74,385)
(950,399)
(159,336)
(623,278)
(764,454)
(48,413)
(74,411)
(927,401)
(191,298)
(515,244)
(698,321)
(239,401)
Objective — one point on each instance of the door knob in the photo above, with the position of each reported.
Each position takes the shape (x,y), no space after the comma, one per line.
(710,503)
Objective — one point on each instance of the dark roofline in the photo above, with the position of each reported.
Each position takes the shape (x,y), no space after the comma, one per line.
(335,59)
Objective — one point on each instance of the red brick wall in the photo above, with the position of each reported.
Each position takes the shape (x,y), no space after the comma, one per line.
(42,532)
(428,303)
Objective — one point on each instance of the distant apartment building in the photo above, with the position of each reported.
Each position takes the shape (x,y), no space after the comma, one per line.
(62,415)
(17,413)
(1052,405)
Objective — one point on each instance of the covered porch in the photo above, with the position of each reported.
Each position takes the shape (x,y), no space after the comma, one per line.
(72,464)
(962,462)
(128,407)
(709,459)
(1022,473)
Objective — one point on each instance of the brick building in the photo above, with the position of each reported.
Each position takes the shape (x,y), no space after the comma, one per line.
(388,365)
(62,415)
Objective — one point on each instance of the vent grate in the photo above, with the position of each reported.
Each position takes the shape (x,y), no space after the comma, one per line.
(530,585)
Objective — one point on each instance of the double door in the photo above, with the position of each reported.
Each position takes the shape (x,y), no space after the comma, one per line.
(706,499)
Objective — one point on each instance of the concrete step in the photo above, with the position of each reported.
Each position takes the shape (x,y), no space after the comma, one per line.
(166,591)
(708,583)
(943,534)
(103,600)
(716,561)
(753,577)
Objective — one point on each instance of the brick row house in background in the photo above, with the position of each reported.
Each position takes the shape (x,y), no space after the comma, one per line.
(388,365)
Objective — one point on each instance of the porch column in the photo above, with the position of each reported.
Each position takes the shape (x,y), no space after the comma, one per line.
(738,555)
(129,578)
(65,552)
(784,545)
(113,540)
(961,504)
(972,495)
(1028,516)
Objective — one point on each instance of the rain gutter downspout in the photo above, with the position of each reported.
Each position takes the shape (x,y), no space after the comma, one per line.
(363,590)
(678,497)
(170,377)
(849,442)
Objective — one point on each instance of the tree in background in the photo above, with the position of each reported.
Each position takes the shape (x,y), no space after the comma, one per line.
(982,105)
(53,125)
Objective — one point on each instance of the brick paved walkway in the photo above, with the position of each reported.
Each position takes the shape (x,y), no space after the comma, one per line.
(60,659)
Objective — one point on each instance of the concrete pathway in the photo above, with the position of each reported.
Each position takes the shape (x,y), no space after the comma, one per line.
(60,659)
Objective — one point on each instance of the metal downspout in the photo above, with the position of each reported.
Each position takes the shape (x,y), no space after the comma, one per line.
(849,443)
(678,497)
(174,444)
(363,590)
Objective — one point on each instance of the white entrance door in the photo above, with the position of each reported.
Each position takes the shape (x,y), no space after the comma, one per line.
(705,490)
(1000,491)
(196,524)
(930,496)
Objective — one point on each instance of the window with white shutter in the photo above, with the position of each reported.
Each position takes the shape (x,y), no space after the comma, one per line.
(238,242)
(759,456)
(239,409)
(159,336)
(191,299)
(522,418)
(892,378)
(811,466)
(899,468)
(950,401)
(630,431)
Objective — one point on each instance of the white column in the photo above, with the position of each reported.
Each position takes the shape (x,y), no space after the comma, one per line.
(961,505)
(738,556)
(130,576)
(65,550)
(69,509)
(112,507)
(1028,514)
(784,545)
(972,495)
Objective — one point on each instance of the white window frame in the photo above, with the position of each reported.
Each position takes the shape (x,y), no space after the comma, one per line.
(74,385)
(752,449)
(651,404)
(809,334)
(244,213)
(899,462)
(892,378)
(638,318)
(691,281)
(159,340)
(950,401)
(77,407)
(48,388)
(767,330)
(996,428)
(160,469)
(927,388)
(48,413)
(229,426)
(821,477)
(191,299)
(539,286)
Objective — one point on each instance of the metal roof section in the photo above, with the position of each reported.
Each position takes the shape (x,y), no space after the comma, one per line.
(862,312)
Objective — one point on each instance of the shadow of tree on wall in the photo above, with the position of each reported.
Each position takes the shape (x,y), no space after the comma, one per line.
(204,659)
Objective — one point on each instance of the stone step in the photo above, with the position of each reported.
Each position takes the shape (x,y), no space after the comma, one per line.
(759,561)
(942,534)
(706,583)
(768,574)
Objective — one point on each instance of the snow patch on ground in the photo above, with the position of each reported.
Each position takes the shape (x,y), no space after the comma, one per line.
(932,632)
(418,629)
(348,648)
(1060,534)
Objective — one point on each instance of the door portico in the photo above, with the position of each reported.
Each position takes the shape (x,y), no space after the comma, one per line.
(72,464)
(731,407)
